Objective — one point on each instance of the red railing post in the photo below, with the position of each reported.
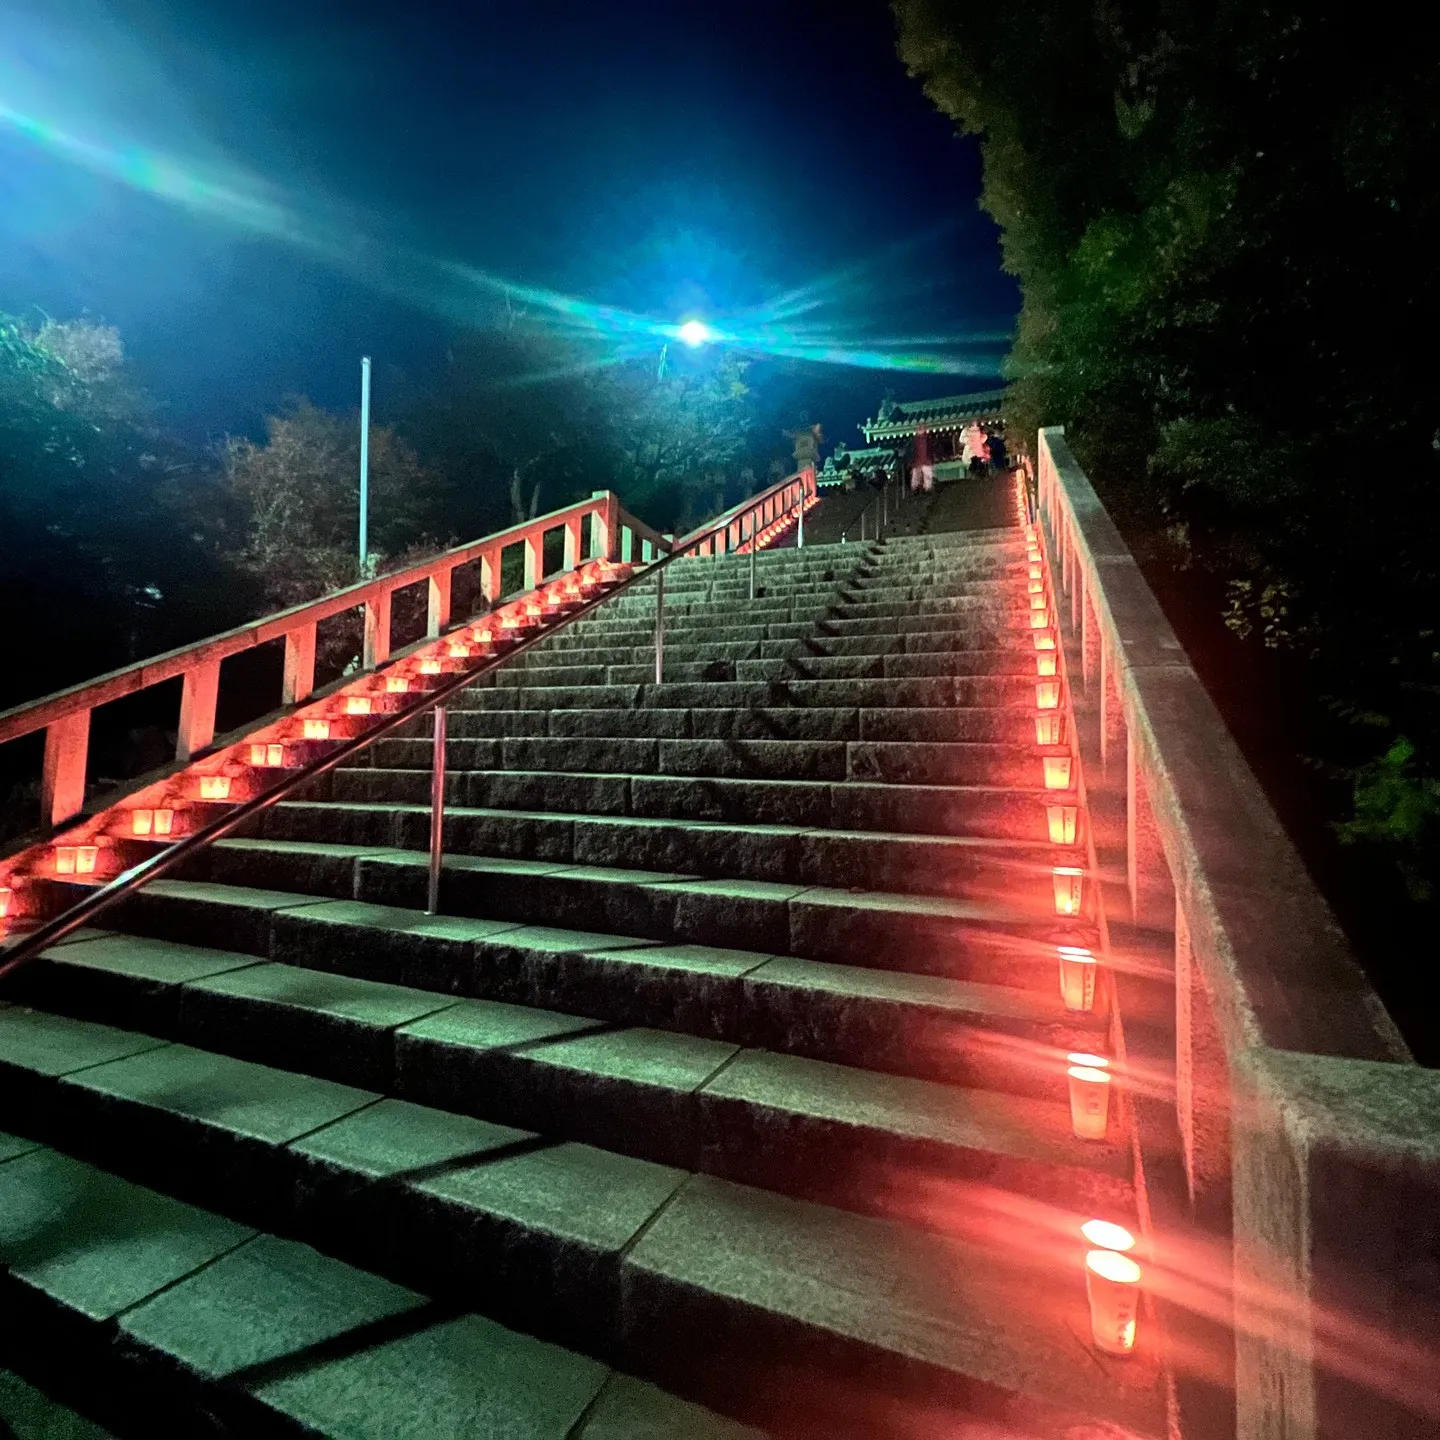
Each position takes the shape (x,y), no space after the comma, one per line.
(299,665)
(377,630)
(197,709)
(62,783)
(437,614)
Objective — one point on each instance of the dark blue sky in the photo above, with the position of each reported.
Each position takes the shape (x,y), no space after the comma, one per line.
(665,157)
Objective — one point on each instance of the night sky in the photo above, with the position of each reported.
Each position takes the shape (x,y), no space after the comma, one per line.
(257,191)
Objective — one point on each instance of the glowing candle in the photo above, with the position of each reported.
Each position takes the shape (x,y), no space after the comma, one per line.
(430,667)
(482,637)
(1037,602)
(214,787)
(6,895)
(64,859)
(457,651)
(1104,1236)
(1047,728)
(1032,556)
(509,622)
(1046,662)
(1035,585)
(1039,620)
(164,821)
(1077,977)
(1044,640)
(1067,881)
(142,822)
(257,754)
(1062,820)
(1037,572)
(396,684)
(1047,694)
(85,858)
(1057,772)
(1089,1101)
(357,704)
(1112,1285)
(317,729)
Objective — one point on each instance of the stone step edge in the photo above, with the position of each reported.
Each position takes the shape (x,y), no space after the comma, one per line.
(125,1369)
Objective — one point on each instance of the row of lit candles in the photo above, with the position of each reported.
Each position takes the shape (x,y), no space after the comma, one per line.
(1112,1277)
(147,821)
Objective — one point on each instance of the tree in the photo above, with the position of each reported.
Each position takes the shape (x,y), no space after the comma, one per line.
(298,492)
(682,438)
(518,426)
(1222,217)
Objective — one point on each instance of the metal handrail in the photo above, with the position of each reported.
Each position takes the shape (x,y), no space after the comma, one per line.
(31,946)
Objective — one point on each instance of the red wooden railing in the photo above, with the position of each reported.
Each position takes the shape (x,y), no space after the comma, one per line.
(213,790)
(65,715)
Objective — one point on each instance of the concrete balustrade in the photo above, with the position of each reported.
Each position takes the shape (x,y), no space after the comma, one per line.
(1303,1140)
(65,716)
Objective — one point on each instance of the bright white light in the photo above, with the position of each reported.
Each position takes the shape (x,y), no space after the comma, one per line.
(695,333)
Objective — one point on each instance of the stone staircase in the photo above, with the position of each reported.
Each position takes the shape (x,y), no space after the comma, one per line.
(727,1091)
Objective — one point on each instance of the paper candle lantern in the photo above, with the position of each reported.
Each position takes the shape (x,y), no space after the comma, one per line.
(1057,772)
(317,729)
(1067,881)
(1089,1101)
(214,787)
(357,704)
(1062,821)
(1077,977)
(1112,1285)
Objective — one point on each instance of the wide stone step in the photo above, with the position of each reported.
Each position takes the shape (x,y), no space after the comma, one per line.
(925,692)
(239,882)
(986,812)
(165,1318)
(367,969)
(911,864)
(613,1256)
(700,1104)
(920,762)
(767,723)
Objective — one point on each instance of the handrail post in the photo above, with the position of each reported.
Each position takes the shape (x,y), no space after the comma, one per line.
(62,782)
(437,613)
(437,813)
(660,628)
(299,678)
(377,631)
(197,710)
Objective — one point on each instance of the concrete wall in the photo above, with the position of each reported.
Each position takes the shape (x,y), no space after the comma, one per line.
(1307,1143)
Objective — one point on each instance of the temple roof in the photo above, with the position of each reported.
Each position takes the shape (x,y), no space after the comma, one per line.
(948,412)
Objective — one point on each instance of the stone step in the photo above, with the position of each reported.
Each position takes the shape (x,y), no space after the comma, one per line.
(171,1319)
(986,812)
(233,887)
(983,1037)
(768,723)
(894,762)
(783,1121)
(925,692)
(618,1258)
(1015,871)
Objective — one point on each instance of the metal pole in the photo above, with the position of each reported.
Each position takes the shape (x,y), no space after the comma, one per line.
(660,628)
(364,465)
(884,508)
(437,812)
(752,554)
(800,526)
